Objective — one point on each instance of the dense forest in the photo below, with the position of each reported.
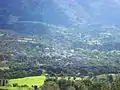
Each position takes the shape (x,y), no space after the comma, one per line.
(70,54)
(85,84)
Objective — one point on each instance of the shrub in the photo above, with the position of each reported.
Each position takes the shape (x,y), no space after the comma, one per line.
(15,85)
(24,85)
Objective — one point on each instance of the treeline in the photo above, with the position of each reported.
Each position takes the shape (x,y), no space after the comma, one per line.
(22,71)
(25,70)
(94,83)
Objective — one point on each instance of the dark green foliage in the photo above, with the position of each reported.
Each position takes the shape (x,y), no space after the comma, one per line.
(20,71)
(50,85)
(79,85)
(69,78)
(62,84)
(35,87)
(88,84)
(74,78)
(24,85)
(15,85)
(70,88)
(110,78)
(97,86)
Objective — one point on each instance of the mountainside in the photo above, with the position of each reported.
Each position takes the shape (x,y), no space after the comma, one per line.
(59,36)
(27,55)
(69,13)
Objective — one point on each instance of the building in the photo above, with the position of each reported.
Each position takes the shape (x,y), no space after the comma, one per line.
(3,82)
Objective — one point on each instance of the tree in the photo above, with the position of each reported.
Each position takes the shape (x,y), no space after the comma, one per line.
(50,85)
(70,88)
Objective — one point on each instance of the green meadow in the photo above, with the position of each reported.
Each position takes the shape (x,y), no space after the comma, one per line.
(29,81)
(14,88)
(34,80)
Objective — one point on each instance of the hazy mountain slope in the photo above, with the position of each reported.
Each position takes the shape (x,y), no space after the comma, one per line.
(60,12)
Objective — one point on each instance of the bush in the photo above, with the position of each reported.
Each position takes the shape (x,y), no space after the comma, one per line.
(15,85)
(24,85)
(35,87)
(50,85)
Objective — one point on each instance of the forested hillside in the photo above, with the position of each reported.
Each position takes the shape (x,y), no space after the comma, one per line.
(59,37)
(27,55)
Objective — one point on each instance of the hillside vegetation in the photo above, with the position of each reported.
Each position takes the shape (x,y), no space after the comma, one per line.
(62,52)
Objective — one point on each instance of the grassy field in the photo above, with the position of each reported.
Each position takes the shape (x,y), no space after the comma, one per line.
(7,88)
(34,80)
(13,88)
